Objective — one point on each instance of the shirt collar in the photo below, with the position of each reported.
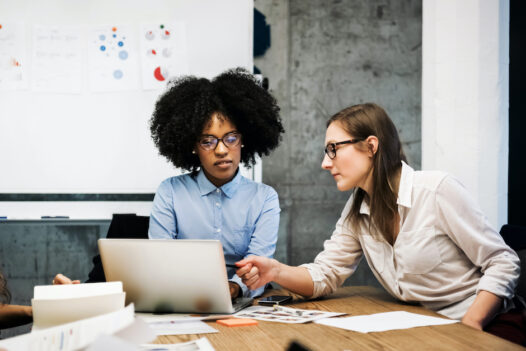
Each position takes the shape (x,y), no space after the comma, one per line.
(206,186)
(405,190)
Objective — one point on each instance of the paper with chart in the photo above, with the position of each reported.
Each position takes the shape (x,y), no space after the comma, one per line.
(379,322)
(163,53)
(112,58)
(13,63)
(284,314)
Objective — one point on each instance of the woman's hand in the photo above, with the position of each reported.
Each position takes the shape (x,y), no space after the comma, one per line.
(62,279)
(256,271)
(235,290)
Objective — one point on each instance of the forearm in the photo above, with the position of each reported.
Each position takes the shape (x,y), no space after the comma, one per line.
(295,279)
(15,315)
(482,310)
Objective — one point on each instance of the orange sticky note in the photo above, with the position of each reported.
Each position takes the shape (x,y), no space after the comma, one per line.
(237,322)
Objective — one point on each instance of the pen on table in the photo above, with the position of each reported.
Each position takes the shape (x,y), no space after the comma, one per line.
(288,310)
(3,217)
(54,217)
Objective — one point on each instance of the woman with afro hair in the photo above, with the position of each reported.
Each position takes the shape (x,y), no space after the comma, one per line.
(208,127)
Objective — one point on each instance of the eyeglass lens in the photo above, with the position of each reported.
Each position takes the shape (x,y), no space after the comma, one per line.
(210,142)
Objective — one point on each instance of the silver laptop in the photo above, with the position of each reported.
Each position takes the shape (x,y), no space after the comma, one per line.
(170,275)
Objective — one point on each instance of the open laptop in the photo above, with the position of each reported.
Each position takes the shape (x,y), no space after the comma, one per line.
(170,275)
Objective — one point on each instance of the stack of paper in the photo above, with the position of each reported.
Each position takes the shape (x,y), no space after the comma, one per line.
(59,304)
(75,335)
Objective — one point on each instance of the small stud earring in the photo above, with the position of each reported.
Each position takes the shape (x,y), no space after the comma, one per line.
(193,151)
(242,145)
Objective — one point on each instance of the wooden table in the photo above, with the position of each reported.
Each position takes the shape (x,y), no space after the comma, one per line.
(354,301)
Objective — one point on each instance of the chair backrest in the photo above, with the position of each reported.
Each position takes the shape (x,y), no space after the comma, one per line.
(128,226)
(515,237)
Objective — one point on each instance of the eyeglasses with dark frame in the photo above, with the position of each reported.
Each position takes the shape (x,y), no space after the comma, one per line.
(330,149)
(210,142)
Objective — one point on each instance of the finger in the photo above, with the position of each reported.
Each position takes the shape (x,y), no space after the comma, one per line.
(256,285)
(61,279)
(254,271)
(245,261)
(244,270)
(252,280)
(76,282)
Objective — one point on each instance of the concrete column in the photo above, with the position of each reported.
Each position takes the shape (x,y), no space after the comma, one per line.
(465,97)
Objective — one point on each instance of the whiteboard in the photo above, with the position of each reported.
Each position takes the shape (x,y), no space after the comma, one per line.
(86,141)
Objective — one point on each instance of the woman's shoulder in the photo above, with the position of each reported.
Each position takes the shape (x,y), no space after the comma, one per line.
(179,181)
(257,187)
(430,180)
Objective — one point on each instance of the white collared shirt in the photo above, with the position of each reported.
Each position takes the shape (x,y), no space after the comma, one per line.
(446,250)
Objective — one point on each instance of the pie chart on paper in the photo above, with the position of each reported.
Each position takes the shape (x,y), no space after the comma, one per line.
(160,74)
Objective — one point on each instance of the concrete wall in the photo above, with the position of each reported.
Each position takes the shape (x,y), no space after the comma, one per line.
(33,252)
(325,56)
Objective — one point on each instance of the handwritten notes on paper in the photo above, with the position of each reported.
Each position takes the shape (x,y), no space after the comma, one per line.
(57,59)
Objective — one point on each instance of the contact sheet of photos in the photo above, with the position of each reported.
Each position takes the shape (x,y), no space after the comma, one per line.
(284,314)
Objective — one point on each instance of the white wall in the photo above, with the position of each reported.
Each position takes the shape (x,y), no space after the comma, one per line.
(465,97)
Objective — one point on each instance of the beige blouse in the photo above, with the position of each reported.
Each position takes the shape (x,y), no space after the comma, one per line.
(445,252)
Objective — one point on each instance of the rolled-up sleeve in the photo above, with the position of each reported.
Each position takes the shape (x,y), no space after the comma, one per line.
(163,222)
(471,231)
(338,260)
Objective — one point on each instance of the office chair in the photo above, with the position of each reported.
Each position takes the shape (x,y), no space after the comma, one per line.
(122,226)
(515,237)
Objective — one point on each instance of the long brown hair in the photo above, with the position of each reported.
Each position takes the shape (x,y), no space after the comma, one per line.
(362,121)
(5,295)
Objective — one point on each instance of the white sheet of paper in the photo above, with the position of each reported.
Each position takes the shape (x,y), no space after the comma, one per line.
(181,327)
(195,345)
(13,52)
(113,58)
(76,290)
(57,59)
(163,53)
(379,322)
(59,304)
(167,317)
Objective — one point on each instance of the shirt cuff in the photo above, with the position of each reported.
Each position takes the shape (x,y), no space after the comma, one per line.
(317,278)
(246,292)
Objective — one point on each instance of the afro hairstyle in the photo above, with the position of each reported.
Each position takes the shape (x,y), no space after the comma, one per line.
(187,106)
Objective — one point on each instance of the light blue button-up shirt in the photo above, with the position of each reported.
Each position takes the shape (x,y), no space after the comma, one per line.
(242,214)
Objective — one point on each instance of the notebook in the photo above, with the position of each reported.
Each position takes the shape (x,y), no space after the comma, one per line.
(164,276)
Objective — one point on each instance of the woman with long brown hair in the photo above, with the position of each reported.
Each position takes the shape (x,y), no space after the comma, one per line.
(424,238)
(12,315)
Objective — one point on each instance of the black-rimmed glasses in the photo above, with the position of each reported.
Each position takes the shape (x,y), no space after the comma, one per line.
(210,142)
(330,149)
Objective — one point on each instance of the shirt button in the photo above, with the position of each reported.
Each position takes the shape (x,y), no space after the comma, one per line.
(218,230)
(218,204)
(218,191)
